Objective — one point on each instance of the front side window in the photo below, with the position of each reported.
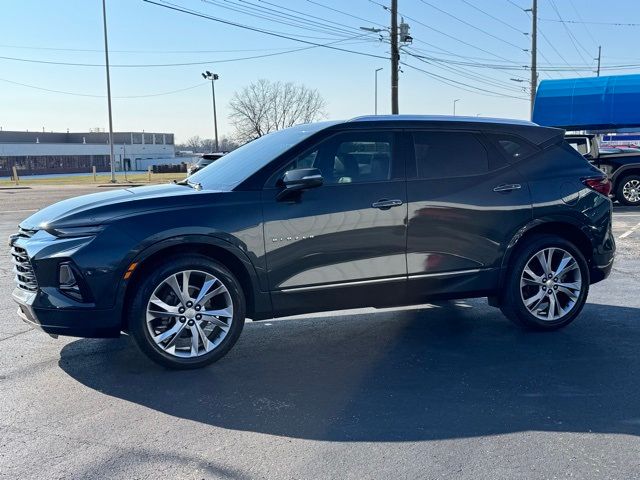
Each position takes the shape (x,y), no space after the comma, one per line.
(352,157)
(449,154)
(237,166)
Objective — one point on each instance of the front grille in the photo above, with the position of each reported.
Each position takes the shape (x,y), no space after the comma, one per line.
(22,268)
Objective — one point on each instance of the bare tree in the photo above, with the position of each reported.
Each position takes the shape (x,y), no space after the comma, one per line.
(263,107)
(194,143)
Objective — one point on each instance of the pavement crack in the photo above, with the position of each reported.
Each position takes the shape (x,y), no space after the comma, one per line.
(15,334)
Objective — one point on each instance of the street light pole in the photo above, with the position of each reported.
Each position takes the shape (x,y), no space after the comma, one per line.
(454,106)
(106,57)
(376,91)
(207,75)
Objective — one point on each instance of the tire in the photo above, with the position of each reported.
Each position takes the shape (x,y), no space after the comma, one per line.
(521,287)
(182,330)
(632,195)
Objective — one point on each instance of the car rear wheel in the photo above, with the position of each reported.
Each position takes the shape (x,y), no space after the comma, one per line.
(187,313)
(628,191)
(547,284)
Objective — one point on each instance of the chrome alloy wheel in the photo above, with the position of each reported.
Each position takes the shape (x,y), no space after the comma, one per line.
(189,314)
(631,191)
(550,284)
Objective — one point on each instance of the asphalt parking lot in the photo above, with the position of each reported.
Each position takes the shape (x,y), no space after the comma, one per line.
(442,391)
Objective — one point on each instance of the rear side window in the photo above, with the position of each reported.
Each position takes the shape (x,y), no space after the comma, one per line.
(514,148)
(449,154)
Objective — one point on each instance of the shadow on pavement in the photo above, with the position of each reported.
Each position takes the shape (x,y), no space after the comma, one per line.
(443,372)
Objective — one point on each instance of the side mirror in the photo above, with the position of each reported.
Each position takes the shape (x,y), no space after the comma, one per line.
(300,179)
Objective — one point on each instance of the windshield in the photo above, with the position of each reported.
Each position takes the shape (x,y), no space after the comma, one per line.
(235,167)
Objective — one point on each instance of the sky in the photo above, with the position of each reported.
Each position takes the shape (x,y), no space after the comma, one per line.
(462,49)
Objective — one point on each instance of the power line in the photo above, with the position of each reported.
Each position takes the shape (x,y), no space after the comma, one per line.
(173,7)
(574,41)
(462,85)
(347,14)
(442,33)
(595,42)
(272,15)
(611,24)
(463,72)
(76,94)
(182,64)
(494,17)
(507,42)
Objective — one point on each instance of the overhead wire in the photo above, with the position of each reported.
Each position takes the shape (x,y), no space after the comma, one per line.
(574,41)
(475,27)
(194,13)
(76,94)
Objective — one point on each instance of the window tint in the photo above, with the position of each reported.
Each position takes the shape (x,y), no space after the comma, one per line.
(449,154)
(515,148)
(361,159)
(350,158)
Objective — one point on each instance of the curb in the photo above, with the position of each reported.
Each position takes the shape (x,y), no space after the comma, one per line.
(15,188)
(121,185)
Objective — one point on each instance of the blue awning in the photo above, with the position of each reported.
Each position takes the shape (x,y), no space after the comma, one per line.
(595,103)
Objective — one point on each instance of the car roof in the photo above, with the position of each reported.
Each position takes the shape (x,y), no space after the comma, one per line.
(534,133)
(440,119)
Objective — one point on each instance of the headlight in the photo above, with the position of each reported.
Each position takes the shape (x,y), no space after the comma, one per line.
(69,232)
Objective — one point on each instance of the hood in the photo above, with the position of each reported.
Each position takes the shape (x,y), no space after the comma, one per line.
(103,207)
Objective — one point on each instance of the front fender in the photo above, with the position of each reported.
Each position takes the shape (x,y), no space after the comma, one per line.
(197,236)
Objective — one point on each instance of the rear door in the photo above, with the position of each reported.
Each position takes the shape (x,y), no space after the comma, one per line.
(466,201)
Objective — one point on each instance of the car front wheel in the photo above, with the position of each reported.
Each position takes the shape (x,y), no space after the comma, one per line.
(187,313)
(547,284)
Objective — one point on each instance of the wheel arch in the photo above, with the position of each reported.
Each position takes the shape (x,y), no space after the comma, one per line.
(258,303)
(624,171)
(566,228)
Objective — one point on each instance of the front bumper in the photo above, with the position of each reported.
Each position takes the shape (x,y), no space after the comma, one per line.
(67,321)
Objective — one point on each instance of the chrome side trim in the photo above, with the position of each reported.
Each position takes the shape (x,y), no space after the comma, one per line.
(379,280)
(343,284)
(446,274)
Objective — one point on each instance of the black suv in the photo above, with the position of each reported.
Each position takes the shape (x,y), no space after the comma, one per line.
(375,211)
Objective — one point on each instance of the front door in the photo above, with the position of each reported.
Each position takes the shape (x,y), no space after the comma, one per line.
(340,245)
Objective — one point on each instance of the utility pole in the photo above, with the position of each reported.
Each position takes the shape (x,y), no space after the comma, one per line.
(207,75)
(454,106)
(534,53)
(395,57)
(599,57)
(106,57)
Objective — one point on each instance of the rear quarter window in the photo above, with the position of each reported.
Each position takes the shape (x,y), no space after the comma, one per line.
(514,148)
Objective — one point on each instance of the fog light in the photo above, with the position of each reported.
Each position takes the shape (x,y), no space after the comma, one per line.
(67,282)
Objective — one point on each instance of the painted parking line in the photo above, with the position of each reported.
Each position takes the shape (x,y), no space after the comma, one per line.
(19,211)
(630,231)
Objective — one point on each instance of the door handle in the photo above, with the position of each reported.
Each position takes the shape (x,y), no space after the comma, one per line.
(386,204)
(507,187)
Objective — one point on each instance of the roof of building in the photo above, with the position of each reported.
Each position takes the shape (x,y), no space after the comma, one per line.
(15,136)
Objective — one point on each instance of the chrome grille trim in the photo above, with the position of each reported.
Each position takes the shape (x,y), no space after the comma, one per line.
(24,275)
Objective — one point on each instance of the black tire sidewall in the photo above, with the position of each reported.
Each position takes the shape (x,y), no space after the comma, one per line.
(619,194)
(137,312)
(514,307)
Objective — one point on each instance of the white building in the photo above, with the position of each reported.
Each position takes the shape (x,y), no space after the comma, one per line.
(53,152)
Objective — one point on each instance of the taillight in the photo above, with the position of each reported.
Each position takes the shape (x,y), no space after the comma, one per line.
(599,184)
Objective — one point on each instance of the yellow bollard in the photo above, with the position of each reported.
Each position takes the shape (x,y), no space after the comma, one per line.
(15,175)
